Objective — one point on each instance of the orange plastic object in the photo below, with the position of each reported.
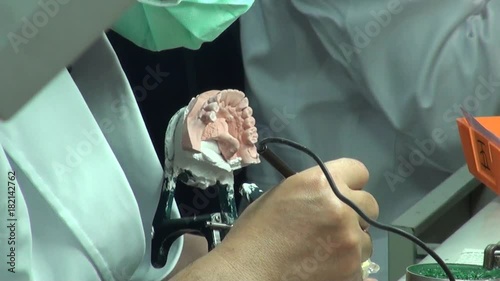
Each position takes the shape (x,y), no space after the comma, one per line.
(482,153)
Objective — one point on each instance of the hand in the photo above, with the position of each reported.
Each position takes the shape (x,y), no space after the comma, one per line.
(301,231)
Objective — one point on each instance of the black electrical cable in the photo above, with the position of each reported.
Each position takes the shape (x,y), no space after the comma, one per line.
(261,146)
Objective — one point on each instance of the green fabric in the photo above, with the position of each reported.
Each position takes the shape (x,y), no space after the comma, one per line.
(188,24)
(459,271)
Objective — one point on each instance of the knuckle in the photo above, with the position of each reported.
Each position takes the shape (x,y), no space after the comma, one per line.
(345,161)
(372,206)
(354,165)
(351,243)
(360,167)
(323,183)
(359,164)
(366,202)
(341,213)
(318,181)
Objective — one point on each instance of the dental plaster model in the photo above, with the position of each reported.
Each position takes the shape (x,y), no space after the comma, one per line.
(226,118)
(208,140)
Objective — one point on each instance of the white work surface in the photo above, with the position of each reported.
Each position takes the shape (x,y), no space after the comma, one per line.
(480,231)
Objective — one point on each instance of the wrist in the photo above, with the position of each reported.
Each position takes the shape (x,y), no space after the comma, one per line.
(221,264)
(247,262)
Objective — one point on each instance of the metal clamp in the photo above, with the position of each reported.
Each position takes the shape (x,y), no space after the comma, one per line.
(492,256)
(168,231)
(216,226)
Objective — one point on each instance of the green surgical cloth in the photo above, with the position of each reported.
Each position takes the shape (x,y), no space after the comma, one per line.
(188,24)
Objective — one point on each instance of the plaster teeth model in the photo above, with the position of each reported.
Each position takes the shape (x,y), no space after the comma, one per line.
(209,139)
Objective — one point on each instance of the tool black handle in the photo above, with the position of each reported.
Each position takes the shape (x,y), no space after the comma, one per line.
(275,161)
(167,232)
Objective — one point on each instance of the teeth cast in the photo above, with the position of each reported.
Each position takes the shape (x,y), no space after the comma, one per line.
(247,112)
(249,123)
(213,106)
(250,135)
(208,117)
(232,106)
(232,97)
(255,138)
(212,116)
(243,104)
(215,99)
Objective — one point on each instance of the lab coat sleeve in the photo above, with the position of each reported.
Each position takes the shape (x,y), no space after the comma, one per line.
(419,62)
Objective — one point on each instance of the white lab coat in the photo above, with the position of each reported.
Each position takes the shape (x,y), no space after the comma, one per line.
(381,81)
(87,180)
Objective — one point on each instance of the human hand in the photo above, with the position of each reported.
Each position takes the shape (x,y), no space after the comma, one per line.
(301,231)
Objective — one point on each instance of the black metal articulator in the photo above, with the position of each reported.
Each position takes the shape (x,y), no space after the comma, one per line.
(213,227)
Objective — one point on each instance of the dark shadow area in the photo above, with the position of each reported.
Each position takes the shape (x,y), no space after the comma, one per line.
(177,76)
